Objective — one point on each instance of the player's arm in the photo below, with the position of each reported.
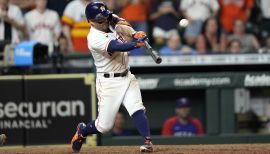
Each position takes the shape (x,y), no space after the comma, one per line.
(128,32)
(124,29)
(115,46)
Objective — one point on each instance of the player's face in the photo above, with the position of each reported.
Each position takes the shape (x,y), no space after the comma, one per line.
(183,112)
(101,25)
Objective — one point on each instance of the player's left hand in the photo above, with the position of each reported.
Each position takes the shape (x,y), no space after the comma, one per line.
(142,39)
(140,42)
(138,35)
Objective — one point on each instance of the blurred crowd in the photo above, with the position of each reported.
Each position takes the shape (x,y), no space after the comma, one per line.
(174,27)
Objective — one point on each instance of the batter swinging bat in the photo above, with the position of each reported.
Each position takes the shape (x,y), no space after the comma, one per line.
(153,53)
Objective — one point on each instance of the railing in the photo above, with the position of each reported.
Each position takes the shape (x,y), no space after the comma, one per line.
(188,60)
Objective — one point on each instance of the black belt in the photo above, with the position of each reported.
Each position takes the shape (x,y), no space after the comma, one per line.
(123,74)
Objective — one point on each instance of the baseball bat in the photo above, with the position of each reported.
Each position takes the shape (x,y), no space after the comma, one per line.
(153,53)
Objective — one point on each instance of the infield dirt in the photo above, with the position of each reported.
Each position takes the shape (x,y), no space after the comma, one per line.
(158,149)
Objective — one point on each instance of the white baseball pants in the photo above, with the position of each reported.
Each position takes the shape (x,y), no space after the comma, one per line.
(112,92)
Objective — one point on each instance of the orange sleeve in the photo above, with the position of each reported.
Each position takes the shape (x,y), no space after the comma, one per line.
(167,127)
(66,20)
(199,127)
(250,4)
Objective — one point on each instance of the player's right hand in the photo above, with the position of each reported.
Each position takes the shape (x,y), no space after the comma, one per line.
(138,35)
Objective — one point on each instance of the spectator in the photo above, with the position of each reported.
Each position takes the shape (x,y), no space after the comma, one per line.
(118,128)
(182,124)
(165,15)
(12,24)
(174,47)
(265,24)
(232,10)
(58,5)
(63,44)
(197,11)
(235,46)
(135,12)
(249,42)
(211,40)
(43,25)
(75,25)
(266,49)
(25,5)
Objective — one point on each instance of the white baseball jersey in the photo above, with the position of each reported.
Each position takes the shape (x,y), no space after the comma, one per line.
(98,42)
(113,91)
(15,14)
(43,27)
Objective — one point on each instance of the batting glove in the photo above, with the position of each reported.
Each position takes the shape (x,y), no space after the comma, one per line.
(140,42)
(138,35)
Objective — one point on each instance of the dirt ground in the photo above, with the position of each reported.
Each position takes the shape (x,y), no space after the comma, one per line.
(158,149)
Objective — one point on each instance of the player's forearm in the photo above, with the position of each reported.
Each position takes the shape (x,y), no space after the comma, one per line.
(124,30)
(115,46)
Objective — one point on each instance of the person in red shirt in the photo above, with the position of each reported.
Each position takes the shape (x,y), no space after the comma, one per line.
(232,10)
(182,124)
(135,12)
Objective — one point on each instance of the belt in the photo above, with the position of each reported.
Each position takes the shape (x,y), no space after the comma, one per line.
(109,75)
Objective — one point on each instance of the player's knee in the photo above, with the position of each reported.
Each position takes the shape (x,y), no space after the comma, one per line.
(105,129)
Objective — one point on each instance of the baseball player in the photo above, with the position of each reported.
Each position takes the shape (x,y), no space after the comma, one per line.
(115,85)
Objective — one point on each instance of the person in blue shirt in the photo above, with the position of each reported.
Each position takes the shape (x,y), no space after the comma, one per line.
(175,47)
(119,124)
(182,124)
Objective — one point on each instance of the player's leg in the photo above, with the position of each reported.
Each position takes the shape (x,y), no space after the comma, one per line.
(110,95)
(133,103)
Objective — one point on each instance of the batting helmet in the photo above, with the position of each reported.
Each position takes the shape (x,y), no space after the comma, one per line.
(97,11)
